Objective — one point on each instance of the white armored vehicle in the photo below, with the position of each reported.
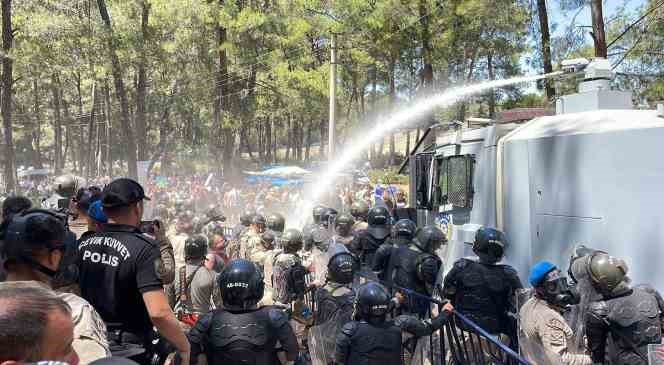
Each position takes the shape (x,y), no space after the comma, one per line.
(592,174)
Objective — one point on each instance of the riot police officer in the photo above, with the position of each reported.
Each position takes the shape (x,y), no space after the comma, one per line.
(359,210)
(484,290)
(64,188)
(370,338)
(367,242)
(251,240)
(343,227)
(245,222)
(416,266)
(193,291)
(276,223)
(334,300)
(120,272)
(288,284)
(403,233)
(242,332)
(334,304)
(317,212)
(542,322)
(632,316)
(322,234)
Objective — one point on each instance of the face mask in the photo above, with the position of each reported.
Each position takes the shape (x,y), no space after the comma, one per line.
(558,291)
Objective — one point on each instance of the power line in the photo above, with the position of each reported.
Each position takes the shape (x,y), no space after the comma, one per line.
(629,27)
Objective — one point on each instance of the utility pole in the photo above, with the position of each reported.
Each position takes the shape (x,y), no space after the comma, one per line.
(333,99)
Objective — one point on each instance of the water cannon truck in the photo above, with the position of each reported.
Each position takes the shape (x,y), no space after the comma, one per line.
(591,174)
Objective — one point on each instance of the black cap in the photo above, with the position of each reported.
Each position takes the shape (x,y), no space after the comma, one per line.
(122,192)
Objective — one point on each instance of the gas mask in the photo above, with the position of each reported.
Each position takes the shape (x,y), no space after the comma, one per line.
(556,290)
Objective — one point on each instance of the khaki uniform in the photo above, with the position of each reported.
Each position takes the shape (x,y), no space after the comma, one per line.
(546,335)
(89,330)
(178,241)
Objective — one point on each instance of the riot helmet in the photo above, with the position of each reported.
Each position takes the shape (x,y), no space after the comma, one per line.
(318,212)
(267,239)
(341,266)
(195,247)
(65,185)
(328,216)
(552,286)
(344,224)
(489,245)
(372,302)
(378,216)
(404,228)
(291,241)
(241,284)
(213,214)
(276,222)
(259,221)
(35,232)
(577,263)
(359,209)
(246,217)
(429,239)
(607,273)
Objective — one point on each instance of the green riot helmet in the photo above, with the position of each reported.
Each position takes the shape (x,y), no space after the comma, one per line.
(246,217)
(276,222)
(359,210)
(606,272)
(344,224)
(318,212)
(65,185)
(328,217)
(291,241)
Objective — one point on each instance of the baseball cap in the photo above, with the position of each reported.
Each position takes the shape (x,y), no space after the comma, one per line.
(122,192)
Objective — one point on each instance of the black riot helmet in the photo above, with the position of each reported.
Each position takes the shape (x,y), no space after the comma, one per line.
(344,224)
(359,210)
(32,232)
(372,303)
(489,245)
(246,217)
(212,214)
(195,247)
(378,216)
(276,222)
(429,239)
(328,217)
(318,212)
(65,185)
(404,228)
(241,285)
(291,241)
(341,266)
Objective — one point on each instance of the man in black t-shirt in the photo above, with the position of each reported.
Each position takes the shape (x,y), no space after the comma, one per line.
(119,271)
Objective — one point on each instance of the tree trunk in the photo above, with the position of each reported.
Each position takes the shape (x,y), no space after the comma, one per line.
(68,127)
(308,142)
(36,133)
(58,160)
(546,47)
(141,87)
(268,138)
(130,142)
(109,128)
(323,137)
(7,91)
(393,96)
(90,152)
(289,137)
(492,92)
(79,122)
(599,37)
(407,150)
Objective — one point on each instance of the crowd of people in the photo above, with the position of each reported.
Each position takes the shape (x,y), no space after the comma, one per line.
(216,274)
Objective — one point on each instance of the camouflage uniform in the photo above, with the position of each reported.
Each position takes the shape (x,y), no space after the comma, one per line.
(546,335)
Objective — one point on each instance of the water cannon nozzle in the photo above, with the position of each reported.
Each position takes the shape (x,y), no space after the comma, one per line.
(574,65)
